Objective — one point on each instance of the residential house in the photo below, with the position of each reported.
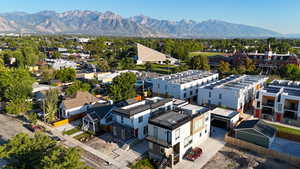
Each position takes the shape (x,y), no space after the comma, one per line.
(132,120)
(279,101)
(184,85)
(236,92)
(98,117)
(77,104)
(171,133)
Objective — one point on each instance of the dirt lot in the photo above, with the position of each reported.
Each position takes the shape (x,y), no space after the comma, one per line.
(230,157)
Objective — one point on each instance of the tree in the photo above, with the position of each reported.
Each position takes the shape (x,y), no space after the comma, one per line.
(148,66)
(18,106)
(199,62)
(49,105)
(291,72)
(77,86)
(39,152)
(249,65)
(66,74)
(32,117)
(223,67)
(103,65)
(122,87)
(48,74)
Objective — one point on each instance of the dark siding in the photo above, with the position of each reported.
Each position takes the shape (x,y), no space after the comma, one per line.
(253,136)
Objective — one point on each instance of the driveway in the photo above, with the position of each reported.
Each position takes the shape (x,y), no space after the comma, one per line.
(286,146)
(210,147)
(10,127)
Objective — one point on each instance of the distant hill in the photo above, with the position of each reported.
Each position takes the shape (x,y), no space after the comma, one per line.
(111,24)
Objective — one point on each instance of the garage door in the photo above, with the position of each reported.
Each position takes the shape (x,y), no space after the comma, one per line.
(219,123)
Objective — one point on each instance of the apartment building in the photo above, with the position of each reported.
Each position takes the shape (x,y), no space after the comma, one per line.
(183,85)
(172,133)
(132,120)
(279,101)
(235,92)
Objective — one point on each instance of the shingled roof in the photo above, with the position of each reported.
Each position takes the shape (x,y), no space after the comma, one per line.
(79,99)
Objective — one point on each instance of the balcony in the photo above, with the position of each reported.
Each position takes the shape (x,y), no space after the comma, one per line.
(269,103)
(268,111)
(290,115)
(159,141)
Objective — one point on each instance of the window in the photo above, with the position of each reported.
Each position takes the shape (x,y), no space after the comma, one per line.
(257,95)
(141,119)
(205,130)
(219,103)
(209,94)
(122,119)
(279,98)
(200,134)
(155,132)
(169,137)
(150,145)
(158,86)
(191,93)
(207,118)
(196,91)
(258,104)
(197,124)
(184,96)
(187,141)
(177,134)
(220,96)
(279,107)
(146,131)
(209,102)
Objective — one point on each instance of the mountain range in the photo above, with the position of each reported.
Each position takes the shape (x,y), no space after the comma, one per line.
(111,24)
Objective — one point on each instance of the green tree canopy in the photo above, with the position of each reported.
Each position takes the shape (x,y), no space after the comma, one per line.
(199,62)
(77,86)
(122,87)
(66,74)
(39,152)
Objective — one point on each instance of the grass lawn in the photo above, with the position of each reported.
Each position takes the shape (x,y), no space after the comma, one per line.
(286,129)
(145,163)
(164,69)
(205,53)
(72,131)
(83,135)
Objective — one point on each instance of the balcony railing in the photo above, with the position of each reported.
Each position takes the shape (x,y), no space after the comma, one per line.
(268,103)
(159,141)
(293,108)
(290,115)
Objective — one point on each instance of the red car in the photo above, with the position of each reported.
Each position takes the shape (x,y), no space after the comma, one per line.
(193,154)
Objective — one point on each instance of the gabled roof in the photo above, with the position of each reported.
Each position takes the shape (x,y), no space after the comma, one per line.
(80,98)
(259,126)
(146,54)
(99,110)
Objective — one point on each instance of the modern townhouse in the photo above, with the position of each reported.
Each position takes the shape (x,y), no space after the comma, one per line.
(183,85)
(132,120)
(279,101)
(235,92)
(171,133)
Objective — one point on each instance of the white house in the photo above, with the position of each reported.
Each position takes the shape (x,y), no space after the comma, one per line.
(183,85)
(61,63)
(132,120)
(173,132)
(279,101)
(234,92)
(77,104)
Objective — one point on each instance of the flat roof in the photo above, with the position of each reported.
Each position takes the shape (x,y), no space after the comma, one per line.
(226,113)
(199,109)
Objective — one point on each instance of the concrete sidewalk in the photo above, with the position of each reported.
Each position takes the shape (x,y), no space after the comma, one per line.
(71,142)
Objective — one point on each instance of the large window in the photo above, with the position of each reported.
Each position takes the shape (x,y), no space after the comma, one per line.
(177,134)
(220,96)
(122,119)
(197,124)
(155,132)
(146,131)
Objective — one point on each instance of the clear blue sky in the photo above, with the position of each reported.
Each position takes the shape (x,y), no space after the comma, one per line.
(279,15)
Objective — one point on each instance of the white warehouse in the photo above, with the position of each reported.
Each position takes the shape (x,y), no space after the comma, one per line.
(235,92)
(183,85)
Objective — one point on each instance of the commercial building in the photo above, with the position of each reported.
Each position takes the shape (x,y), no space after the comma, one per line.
(172,133)
(131,121)
(256,132)
(183,85)
(235,92)
(279,101)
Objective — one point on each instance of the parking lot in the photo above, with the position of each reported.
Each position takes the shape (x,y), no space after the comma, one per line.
(10,127)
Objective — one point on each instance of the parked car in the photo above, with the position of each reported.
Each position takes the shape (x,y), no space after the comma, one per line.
(56,138)
(193,154)
(34,128)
